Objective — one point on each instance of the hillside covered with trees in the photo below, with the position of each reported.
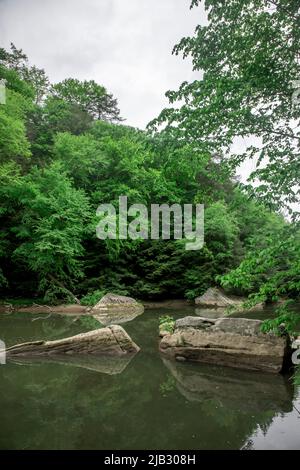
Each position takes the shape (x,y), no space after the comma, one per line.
(65,148)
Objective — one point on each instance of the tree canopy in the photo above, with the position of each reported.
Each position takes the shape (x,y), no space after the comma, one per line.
(90,97)
(64,151)
(248,55)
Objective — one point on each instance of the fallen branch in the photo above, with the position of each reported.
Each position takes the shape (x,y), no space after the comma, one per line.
(60,284)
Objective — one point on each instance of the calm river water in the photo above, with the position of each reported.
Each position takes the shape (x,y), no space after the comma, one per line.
(147,403)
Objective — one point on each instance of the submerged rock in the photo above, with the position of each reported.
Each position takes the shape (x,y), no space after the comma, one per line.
(233,342)
(215,297)
(110,341)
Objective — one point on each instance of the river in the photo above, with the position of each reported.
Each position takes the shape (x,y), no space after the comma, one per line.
(145,403)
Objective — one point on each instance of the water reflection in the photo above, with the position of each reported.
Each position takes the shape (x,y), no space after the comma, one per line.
(283,433)
(268,405)
(233,390)
(102,364)
(53,326)
(118,316)
(148,404)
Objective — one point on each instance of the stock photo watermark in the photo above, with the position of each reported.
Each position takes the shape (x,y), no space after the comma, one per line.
(296,357)
(2,352)
(135,222)
(296,353)
(2,91)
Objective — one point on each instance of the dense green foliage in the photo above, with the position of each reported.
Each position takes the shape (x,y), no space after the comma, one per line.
(167,323)
(248,55)
(63,151)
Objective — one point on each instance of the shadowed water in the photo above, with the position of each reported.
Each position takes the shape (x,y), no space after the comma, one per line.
(145,403)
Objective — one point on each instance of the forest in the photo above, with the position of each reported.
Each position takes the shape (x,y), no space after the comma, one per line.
(65,148)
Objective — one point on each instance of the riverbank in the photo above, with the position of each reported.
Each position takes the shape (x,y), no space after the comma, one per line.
(76,309)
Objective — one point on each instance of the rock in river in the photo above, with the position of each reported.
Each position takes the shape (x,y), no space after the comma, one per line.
(116,302)
(110,341)
(215,297)
(233,342)
(115,309)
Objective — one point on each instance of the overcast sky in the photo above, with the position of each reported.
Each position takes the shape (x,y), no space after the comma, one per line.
(125,45)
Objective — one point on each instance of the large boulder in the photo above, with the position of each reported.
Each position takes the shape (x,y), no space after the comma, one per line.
(117,302)
(110,341)
(115,309)
(216,298)
(233,342)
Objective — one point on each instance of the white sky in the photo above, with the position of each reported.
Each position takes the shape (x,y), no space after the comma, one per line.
(124,45)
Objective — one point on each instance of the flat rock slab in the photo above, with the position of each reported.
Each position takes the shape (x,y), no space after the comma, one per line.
(233,342)
(110,341)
